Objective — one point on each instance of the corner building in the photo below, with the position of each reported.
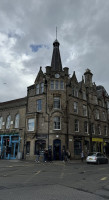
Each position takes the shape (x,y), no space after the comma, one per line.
(58,113)
(63,113)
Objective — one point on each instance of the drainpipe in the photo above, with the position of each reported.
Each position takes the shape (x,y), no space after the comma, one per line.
(46,85)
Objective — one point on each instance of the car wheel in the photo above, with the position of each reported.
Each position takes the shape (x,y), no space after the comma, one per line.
(98,162)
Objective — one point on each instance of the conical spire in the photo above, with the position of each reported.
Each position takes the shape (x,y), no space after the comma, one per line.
(56,64)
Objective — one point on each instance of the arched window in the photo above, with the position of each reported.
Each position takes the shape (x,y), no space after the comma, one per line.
(8,122)
(17,121)
(1,120)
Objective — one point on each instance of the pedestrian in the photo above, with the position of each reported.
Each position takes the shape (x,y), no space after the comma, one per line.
(63,154)
(82,156)
(50,155)
(37,156)
(45,155)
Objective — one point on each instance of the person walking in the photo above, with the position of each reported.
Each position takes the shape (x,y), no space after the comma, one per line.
(82,156)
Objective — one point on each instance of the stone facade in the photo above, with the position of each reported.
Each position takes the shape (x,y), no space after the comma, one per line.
(12,131)
(61,113)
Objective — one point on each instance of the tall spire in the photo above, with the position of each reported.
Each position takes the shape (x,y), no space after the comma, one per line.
(56,64)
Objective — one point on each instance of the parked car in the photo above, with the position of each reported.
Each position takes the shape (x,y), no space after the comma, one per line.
(96,157)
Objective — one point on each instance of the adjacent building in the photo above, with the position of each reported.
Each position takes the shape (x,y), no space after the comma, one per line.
(58,113)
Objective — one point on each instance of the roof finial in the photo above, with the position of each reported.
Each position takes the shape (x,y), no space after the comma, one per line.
(56,32)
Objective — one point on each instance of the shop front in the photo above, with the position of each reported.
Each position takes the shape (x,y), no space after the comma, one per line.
(9,146)
(97,145)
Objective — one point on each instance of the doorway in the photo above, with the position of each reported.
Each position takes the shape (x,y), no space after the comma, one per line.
(57,149)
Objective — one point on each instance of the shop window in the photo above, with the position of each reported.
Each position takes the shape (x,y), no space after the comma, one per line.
(57,123)
(28,147)
(30,124)
(57,102)
(76,125)
(1,121)
(8,122)
(75,107)
(17,121)
(77,147)
(40,145)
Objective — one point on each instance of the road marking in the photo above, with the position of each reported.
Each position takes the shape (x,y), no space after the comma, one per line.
(37,172)
(103,179)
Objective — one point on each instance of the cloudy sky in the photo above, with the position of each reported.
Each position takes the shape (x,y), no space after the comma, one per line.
(27,32)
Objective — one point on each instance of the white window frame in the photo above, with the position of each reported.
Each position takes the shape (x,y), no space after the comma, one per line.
(75,106)
(39,105)
(31,124)
(17,117)
(8,122)
(76,125)
(56,103)
(57,123)
(1,121)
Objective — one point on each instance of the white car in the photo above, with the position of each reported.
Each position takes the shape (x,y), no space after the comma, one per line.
(96,157)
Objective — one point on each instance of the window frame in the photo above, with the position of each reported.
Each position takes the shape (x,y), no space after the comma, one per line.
(75,107)
(56,101)
(85,110)
(29,124)
(39,105)
(17,117)
(1,121)
(37,89)
(76,125)
(8,122)
(57,123)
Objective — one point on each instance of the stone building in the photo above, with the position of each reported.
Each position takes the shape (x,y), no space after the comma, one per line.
(12,128)
(59,113)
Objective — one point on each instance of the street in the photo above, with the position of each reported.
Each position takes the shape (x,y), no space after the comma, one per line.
(25,180)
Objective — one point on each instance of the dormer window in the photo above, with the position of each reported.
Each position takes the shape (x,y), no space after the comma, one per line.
(75,91)
(37,89)
(41,88)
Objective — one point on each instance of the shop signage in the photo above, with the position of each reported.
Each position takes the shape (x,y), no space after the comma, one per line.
(41,136)
(97,140)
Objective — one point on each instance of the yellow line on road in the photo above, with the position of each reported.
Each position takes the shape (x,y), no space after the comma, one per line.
(103,179)
(37,172)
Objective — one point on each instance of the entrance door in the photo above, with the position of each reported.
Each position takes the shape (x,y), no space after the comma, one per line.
(14,150)
(57,149)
